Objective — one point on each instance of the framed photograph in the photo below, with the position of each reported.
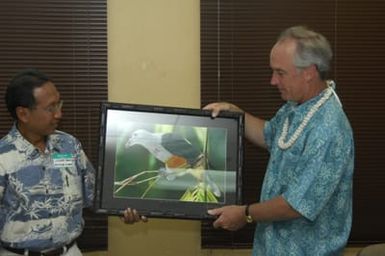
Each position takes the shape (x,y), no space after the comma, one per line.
(168,162)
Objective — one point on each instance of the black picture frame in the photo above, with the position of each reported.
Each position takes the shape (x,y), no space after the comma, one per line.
(168,162)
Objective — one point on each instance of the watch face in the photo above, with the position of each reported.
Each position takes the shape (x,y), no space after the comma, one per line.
(249,219)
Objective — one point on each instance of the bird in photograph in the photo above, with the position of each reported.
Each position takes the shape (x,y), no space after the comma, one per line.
(177,154)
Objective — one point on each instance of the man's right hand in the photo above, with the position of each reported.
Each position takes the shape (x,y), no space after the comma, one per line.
(217,107)
(130,216)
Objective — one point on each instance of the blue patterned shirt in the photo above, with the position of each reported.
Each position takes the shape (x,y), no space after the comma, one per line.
(314,176)
(42,195)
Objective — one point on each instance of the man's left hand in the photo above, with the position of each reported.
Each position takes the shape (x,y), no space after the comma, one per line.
(229,217)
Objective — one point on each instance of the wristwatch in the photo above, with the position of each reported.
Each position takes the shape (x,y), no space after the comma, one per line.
(249,219)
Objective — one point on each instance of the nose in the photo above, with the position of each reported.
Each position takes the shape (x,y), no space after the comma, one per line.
(273,79)
(58,114)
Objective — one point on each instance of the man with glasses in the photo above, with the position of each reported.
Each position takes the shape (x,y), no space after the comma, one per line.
(46,178)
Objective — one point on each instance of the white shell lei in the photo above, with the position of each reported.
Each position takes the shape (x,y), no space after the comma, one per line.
(281,141)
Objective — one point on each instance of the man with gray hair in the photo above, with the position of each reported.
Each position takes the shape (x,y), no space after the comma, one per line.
(305,206)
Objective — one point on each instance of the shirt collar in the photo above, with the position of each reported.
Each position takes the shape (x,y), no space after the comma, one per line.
(304,107)
(23,145)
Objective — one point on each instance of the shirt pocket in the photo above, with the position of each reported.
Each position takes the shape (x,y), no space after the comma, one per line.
(72,184)
(289,168)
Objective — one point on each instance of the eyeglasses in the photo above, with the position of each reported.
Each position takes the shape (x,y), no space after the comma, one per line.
(54,108)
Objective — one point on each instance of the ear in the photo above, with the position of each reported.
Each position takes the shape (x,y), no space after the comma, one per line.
(23,114)
(311,72)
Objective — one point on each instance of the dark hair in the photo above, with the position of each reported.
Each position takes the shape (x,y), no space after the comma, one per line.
(21,87)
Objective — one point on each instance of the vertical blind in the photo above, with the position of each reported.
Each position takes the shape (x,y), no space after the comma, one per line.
(236,38)
(67,40)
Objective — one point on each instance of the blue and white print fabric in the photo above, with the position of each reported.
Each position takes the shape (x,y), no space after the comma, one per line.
(314,176)
(42,194)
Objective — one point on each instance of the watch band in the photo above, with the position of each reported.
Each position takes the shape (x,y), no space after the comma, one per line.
(249,219)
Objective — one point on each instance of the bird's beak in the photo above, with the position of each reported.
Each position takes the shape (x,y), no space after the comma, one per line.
(128,143)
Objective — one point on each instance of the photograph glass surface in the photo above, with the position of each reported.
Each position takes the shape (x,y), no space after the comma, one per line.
(181,160)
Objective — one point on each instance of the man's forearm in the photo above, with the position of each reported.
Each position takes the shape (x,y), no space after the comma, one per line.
(275,209)
(254,130)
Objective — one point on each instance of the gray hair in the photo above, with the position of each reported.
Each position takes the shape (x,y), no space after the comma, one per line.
(312,48)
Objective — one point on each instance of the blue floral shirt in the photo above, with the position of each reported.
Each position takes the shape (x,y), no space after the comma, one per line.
(42,194)
(314,176)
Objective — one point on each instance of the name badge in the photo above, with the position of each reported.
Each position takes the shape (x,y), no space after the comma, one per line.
(63,160)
